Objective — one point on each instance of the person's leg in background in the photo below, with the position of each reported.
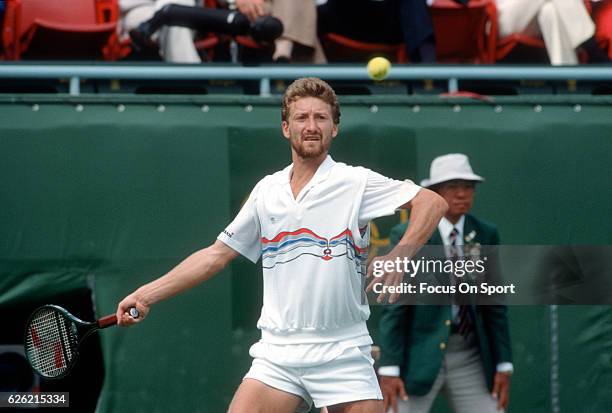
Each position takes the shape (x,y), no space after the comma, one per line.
(417,30)
(558,46)
(465,388)
(175,43)
(422,404)
(461,380)
(299,41)
(565,26)
(579,28)
(518,16)
(132,13)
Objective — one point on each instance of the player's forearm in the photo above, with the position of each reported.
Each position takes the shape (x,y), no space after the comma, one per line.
(427,208)
(198,267)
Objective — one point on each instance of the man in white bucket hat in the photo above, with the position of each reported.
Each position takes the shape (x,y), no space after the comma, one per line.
(451,167)
(463,351)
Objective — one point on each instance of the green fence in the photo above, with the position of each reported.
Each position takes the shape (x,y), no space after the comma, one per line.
(110,192)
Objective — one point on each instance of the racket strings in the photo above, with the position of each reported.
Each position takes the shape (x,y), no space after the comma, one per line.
(50,343)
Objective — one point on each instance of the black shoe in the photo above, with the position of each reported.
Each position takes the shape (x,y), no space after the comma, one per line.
(141,38)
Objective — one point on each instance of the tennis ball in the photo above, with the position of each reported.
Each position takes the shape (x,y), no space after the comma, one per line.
(378,68)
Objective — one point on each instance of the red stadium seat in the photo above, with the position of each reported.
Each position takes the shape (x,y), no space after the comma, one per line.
(465,34)
(344,47)
(66,29)
(602,14)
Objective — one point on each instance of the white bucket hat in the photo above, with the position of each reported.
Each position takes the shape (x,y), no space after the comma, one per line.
(449,167)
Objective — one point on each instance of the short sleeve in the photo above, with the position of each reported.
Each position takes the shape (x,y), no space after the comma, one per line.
(382,196)
(243,235)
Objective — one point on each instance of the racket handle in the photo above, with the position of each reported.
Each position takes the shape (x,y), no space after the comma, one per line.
(111,320)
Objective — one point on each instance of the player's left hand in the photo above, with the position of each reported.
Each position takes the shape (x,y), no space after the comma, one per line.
(501,389)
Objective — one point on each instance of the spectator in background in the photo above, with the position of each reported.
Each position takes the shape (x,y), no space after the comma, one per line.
(382,21)
(565,26)
(299,41)
(462,350)
(175,43)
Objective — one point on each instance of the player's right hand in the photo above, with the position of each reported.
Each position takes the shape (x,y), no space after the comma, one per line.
(123,310)
(391,388)
(390,278)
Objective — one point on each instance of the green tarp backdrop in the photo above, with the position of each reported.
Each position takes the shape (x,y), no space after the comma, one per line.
(114,191)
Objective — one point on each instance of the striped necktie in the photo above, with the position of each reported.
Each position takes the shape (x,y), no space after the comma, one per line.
(452,238)
(465,323)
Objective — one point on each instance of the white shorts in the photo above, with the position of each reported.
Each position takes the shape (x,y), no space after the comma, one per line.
(349,377)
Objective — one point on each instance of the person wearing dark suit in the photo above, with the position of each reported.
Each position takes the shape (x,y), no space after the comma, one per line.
(426,349)
(382,21)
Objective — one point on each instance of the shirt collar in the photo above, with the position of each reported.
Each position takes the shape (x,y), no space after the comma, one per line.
(445,227)
(322,171)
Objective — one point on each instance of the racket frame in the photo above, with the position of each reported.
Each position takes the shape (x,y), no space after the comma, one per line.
(84,330)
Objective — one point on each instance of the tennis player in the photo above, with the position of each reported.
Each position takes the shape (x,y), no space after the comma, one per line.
(309,224)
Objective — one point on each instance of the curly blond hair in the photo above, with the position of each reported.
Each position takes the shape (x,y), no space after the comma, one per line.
(310,87)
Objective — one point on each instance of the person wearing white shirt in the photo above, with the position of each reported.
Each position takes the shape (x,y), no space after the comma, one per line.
(564,25)
(462,351)
(309,225)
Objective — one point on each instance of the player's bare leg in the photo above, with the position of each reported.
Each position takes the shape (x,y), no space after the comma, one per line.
(361,406)
(254,396)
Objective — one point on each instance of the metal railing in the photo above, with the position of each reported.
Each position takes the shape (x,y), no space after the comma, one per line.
(265,73)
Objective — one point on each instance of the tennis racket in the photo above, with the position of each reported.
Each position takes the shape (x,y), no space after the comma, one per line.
(53,337)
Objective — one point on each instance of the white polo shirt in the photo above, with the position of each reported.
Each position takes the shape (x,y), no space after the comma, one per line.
(314,249)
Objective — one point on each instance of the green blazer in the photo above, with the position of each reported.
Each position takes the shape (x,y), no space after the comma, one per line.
(411,336)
